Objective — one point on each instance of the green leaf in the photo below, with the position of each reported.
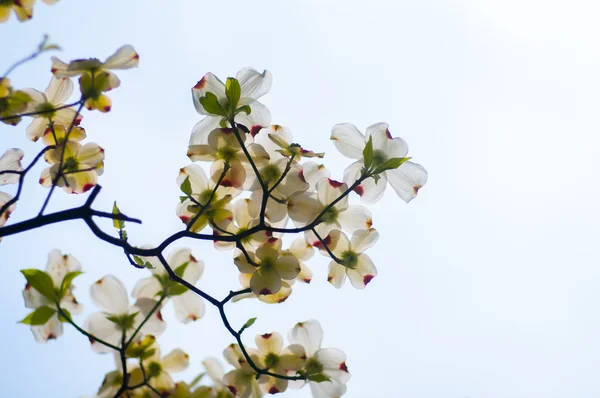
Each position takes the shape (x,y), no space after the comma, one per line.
(177,290)
(376,177)
(40,281)
(138,260)
(390,164)
(118,224)
(181,269)
(233,91)
(248,323)
(224,123)
(186,186)
(210,103)
(148,265)
(40,316)
(182,199)
(62,318)
(246,109)
(197,379)
(368,153)
(319,378)
(67,281)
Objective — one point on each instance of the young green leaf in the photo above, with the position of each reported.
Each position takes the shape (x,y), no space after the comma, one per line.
(118,224)
(67,281)
(368,154)
(246,109)
(40,281)
(40,316)
(181,269)
(186,186)
(248,323)
(210,103)
(233,91)
(390,164)
(318,378)
(176,290)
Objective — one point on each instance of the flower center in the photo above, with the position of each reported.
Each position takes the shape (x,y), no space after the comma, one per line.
(313,367)
(330,216)
(271,173)
(379,158)
(271,360)
(349,258)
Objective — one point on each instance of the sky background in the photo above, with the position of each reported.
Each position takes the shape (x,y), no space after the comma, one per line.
(488,282)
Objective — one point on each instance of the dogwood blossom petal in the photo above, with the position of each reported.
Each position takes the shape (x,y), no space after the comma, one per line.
(336,274)
(124,58)
(175,361)
(308,334)
(188,307)
(354,218)
(269,343)
(332,389)
(334,363)
(254,84)
(348,140)
(51,330)
(208,84)
(407,179)
(59,90)
(11,161)
(313,173)
(364,239)
(364,272)
(202,129)
(146,287)
(110,295)
(384,142)
(97,325)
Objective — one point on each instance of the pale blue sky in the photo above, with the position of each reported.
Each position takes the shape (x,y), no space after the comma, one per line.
(488,282)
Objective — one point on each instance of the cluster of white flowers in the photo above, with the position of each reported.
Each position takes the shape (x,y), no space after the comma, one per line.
(259,186)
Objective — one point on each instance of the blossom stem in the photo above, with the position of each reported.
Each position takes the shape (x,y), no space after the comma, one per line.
(59,174)
(82,331)
(152,311)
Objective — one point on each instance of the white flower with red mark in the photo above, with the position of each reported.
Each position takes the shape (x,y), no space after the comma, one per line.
(118,317)
(303,251)
(278,360)
(55,96)
(406,180)
(58,267)
(223,148)
(5,214)
(95,76)
(330,362)
(242,221)
(216,373)
(10,162)
(187,304)
(351,261)
(283,179)
(204,205)
(253,86)
(242,381)
(277,141)
(158,369)
(276,298)
(268,267)
(79,170)
(308,207)
(57,135)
